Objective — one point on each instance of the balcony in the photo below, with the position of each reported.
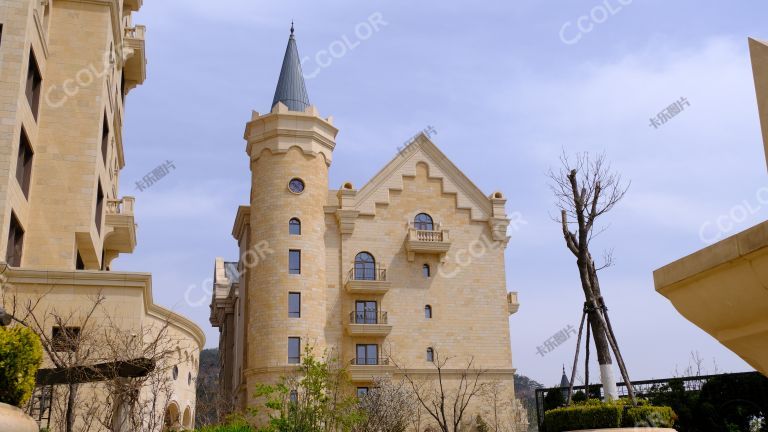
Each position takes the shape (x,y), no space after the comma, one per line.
(121,227)
(513,303)
(133,5)
(365,370)
(368,281)
(435,242)
(368,323)
(134,53)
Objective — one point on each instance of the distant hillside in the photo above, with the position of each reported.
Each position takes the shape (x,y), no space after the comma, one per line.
(525,390)
(207,388)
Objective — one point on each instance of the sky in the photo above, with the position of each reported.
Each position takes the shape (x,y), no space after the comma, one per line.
(508,86)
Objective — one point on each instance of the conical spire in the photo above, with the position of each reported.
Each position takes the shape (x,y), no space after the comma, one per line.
(291,89)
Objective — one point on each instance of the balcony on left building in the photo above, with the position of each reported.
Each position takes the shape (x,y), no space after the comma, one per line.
(121,226)
(134,55)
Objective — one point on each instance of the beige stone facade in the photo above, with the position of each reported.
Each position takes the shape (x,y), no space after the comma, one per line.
(722,288)
(66,67)
(438,282)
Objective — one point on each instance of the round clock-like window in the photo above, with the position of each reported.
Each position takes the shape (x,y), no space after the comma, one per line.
(296,186)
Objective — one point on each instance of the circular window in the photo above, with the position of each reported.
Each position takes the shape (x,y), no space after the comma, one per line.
(175,372)
(296,186)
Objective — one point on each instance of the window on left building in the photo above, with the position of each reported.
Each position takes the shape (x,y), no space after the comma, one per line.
(65,339)
(15,242)
(34,84)
(99,207)
(24,163)
(294,262)
(294,350)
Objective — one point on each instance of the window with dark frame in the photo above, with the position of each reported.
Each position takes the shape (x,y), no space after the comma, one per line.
(294,350)
(428,312)
(426,271)
(293,397)
(367,354)
(362,392)
(430,355)
(34,84)
(366,312)
(105,140)
(294,305)
(65,339)
(294,227)
(423,222)
(99,207)
(15,242)
(294,262)
(24,163)
(365,266)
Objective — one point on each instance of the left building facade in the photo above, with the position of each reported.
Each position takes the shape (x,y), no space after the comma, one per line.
(66,67)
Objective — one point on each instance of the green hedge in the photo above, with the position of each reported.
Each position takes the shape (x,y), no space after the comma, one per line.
(593,414)
(583,417)
(21,354)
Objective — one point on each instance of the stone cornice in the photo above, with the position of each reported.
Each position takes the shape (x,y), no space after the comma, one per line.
(242,220)
(143,281)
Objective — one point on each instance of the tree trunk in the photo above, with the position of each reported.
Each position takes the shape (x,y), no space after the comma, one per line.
(70,414)
(603,348)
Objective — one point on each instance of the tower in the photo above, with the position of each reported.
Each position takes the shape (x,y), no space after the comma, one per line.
(290,151)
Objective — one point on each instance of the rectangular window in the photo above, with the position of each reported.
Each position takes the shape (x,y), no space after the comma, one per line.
(294,262)
(34,84)
(15,243)
(65,339)
(367,354)
(362,392)
(294,305)
(294,350)
(366,312)
(24,163)
(99,207)
(105,140)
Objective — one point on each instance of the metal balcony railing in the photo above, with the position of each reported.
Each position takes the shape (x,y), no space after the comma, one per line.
(368,273)
(368,317)
(370,361)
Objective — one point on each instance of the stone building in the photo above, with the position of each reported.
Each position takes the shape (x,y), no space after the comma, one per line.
(722,288)
(387,275)
(66,67)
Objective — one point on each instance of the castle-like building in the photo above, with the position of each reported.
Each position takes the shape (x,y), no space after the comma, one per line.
(66,68)
(387,275)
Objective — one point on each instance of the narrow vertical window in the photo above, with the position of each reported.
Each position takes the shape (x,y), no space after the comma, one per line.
(428,312)
(294,262)
(24,163)
(426,271)
(293,397)
(294,305)
(99,207)
(105,140)
(294,350)
(34,84)
(294,227)
(430,355)
(15,243)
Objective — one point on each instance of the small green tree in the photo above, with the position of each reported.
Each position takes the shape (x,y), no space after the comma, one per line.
(316,399)
(21,354)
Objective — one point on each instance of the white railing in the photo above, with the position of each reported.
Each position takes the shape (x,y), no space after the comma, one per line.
(121,207)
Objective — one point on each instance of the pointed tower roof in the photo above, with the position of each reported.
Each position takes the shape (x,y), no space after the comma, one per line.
(291,89)
(564,381)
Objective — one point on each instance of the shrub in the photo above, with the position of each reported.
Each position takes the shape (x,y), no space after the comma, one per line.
(578,417)
(648,416)
(21,354)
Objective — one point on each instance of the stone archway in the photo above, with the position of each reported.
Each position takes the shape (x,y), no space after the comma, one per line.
(187,420)
(172,419)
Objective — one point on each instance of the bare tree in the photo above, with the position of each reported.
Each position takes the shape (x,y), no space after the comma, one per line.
(507,414)
(388,407)
(446,398)
(586,189)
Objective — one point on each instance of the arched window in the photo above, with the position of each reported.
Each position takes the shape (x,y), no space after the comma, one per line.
(294,227)
(428,312)
(423,222)
(293,397)
(175,372)
(365,266)
(426,271)
(430,355)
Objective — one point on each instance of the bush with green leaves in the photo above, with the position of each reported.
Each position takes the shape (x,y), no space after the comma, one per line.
(21,354)
(595,414)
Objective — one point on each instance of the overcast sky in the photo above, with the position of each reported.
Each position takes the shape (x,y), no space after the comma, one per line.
(507,85)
